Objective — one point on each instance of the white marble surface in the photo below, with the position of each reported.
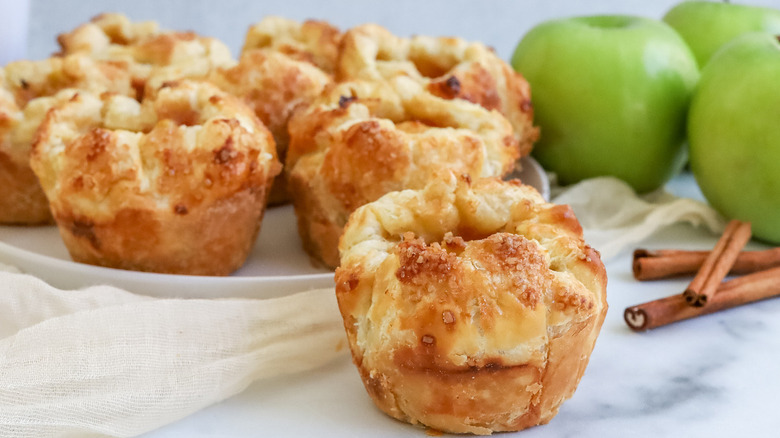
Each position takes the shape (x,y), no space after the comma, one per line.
(714,376)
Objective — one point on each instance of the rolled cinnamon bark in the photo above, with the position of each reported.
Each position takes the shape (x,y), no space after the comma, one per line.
(668,263)
(741,290)
(718,263)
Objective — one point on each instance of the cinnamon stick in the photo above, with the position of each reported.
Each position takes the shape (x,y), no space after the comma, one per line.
(741,290)
(718,263)
(667,263)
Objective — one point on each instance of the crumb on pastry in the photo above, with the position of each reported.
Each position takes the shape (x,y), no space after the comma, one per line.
(28,89)
(174,184)
(362,139)
(469,307)
(448,67)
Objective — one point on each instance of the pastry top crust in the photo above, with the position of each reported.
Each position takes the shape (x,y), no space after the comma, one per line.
(146,49)
(362,139)
(104,31)
(190,145)
(448,67)
(311,41)
(273,84)
(28,89)
(464,274)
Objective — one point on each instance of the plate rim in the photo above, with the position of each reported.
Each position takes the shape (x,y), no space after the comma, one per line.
(12,250)
(86,274)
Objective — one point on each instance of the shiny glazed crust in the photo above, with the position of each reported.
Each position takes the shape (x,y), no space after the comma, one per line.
(469,307)
(284,64)
(273,85)
(176,184)
(361,139)
(146,50)
(450,68)
(28,89)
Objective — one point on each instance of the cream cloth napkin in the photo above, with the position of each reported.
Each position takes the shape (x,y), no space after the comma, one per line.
(107,362)
(615,219)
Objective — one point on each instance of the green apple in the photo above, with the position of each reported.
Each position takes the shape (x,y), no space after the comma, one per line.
(734,133)
(610,95)
(707,25)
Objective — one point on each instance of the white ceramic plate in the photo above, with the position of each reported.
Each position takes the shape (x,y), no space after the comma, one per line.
(277,265)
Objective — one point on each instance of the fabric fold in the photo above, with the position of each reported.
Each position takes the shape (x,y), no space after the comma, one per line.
(101,361)
(614,218)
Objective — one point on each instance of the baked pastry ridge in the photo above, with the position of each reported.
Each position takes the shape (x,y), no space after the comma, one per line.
(284,64)
(28,89)
(175,184)
(448,67)
(312,41)
(149,52)
(470,307)
(362,139)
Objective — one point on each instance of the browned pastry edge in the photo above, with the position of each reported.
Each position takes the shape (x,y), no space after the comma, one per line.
(23,201)
(319,235)
(135,239)
(280,194)
(480,400)
(437,345)
(451,68)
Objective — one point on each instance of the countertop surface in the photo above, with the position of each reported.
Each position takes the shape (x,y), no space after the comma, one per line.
(708,377)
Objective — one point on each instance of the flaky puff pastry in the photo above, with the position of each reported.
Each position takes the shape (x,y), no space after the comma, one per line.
(176,184)
(28,89)
(362,139)
(312,41)
(284,64)
(451,68)
(470,307)
(148,51)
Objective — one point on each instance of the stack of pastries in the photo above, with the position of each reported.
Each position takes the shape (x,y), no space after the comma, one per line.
(400,109)
(470,304)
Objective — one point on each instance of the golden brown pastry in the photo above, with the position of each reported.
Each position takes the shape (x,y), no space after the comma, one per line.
(361,139)
(447,67)
(28,89)
(284,64)
(470,307)
(106,32)
(311,41)
(146,50)
(176,184)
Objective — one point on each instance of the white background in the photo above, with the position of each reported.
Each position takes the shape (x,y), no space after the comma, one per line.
(499,23)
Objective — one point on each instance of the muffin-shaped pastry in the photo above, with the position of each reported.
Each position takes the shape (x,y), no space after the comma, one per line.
(447,67)
(284,64)
(177,184)
(315,42)
(146,49)
(470,307)
(361,140)
(28,89)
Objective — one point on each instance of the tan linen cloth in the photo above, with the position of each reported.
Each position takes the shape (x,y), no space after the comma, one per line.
(107,362)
